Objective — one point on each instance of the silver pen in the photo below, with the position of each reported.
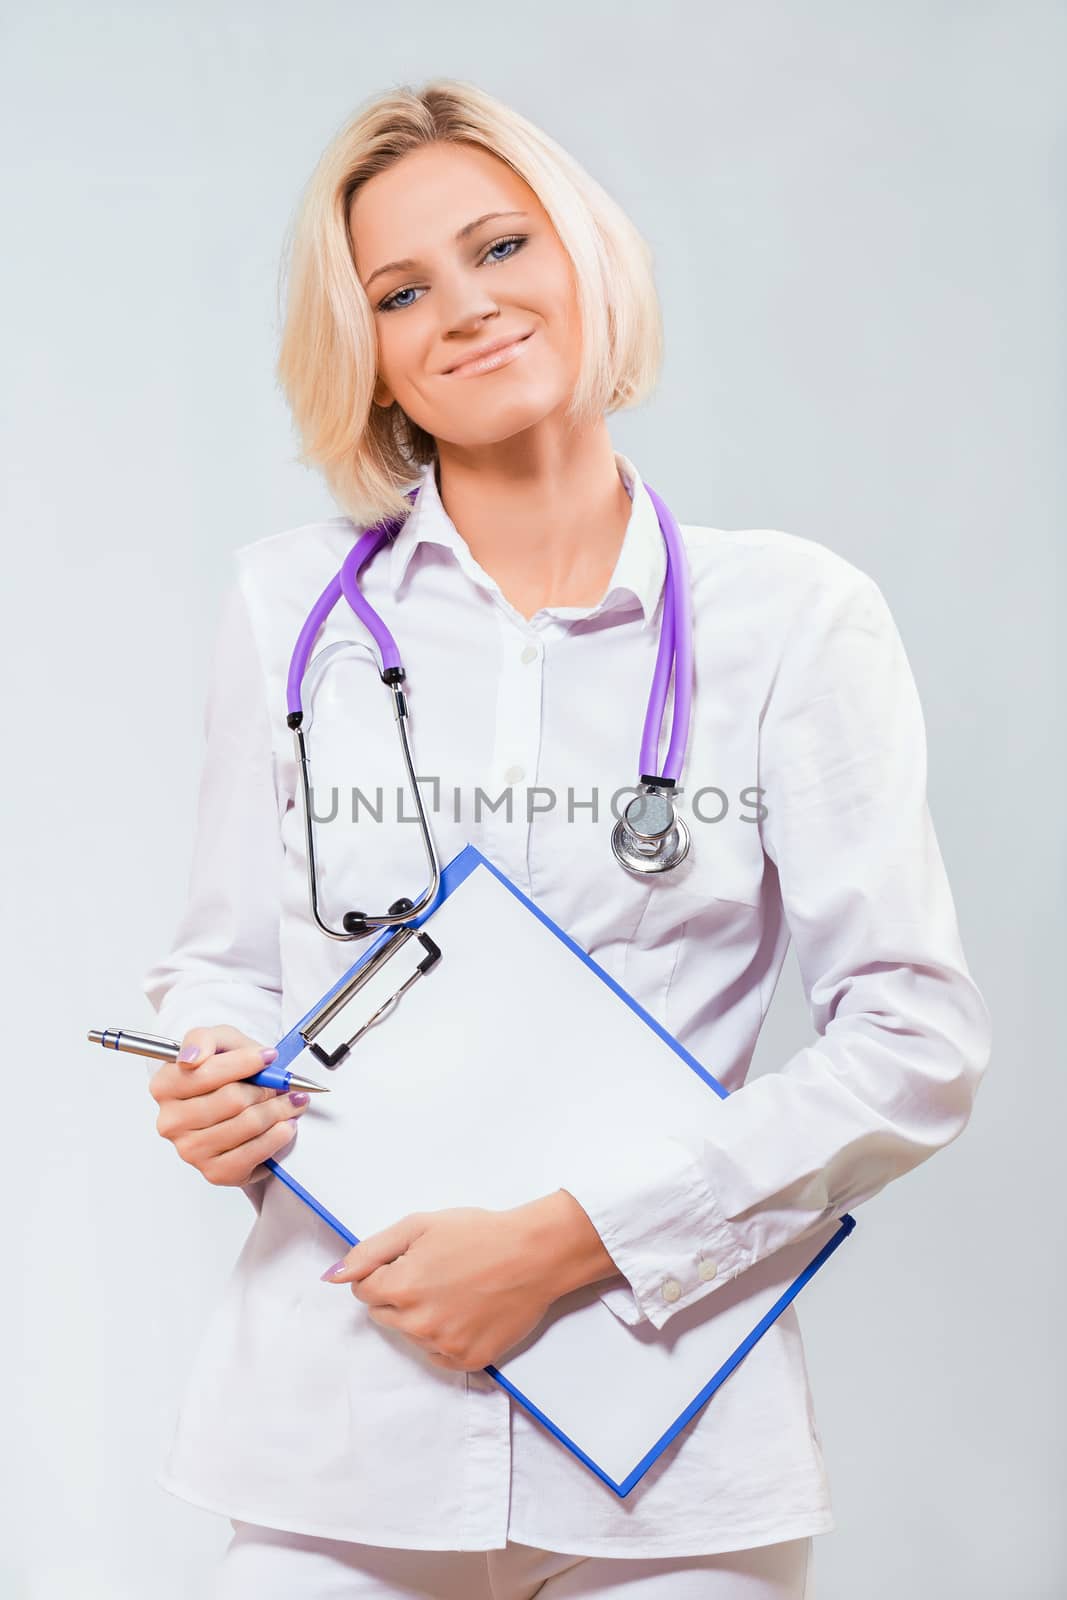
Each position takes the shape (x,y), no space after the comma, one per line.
(158,1049)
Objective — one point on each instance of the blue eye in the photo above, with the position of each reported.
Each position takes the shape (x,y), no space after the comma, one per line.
(518,240)
(393,302)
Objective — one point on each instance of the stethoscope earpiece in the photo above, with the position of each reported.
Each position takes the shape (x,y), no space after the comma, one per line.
(650,836)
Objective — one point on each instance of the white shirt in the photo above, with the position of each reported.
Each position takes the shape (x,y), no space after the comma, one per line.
(300,1412)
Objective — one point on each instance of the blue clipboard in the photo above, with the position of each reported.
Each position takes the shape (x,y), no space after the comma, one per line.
(294,1044)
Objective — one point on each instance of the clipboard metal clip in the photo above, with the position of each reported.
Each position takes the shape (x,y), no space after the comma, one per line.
(336,1003)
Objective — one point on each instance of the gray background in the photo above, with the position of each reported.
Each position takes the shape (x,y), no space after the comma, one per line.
(857,216)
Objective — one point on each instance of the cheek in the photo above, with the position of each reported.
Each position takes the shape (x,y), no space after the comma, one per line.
(402,352)
(556,296)
(562,320)
(393,364)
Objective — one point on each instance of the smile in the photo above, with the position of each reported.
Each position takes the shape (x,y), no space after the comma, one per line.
(489,363)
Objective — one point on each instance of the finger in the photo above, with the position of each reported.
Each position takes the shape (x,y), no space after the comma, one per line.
(379,1287)
(200,1128)
(230,1064)
(351,1268)
(446,1362)
(389,1317)
(207,1041)
(386,1286)
(191,1113)
(231,1166)
(378,1250)
(231,1133)
(172,1079)
(197,1045)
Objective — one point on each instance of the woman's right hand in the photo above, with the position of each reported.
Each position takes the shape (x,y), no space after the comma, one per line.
(221,1126)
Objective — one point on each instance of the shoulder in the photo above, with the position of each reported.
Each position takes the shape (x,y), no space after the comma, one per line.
(777,563)
(274,581)
(292,566)
(763,595)
(297,549)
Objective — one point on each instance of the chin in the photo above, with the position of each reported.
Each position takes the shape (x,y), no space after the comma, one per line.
(498,417)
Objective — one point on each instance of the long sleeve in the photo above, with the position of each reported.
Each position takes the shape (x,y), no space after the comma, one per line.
(224,965)
(903,1035)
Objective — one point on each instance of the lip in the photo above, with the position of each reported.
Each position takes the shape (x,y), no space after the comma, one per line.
(489,357)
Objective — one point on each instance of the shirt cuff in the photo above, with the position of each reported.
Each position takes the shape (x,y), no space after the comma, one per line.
(662,1226)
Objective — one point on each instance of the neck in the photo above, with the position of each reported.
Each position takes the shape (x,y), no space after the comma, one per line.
(544,517)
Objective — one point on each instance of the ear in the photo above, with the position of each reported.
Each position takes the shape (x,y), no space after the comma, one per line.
(383,395)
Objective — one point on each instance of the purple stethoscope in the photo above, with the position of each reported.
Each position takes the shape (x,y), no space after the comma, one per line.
(649,837)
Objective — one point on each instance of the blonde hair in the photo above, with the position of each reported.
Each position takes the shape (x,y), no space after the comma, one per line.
(327,364)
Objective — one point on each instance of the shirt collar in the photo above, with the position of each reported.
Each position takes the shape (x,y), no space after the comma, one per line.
(639,571)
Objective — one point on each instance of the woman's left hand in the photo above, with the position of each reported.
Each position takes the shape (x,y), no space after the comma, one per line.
(465,1284)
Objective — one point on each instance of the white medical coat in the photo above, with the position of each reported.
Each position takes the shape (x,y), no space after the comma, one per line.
(805,794)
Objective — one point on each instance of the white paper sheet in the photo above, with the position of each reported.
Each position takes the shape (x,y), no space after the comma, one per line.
(513,1023)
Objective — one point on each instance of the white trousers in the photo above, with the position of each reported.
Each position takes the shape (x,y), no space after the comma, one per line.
(270,1564)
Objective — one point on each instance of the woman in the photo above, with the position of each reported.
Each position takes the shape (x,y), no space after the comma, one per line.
(347,1428)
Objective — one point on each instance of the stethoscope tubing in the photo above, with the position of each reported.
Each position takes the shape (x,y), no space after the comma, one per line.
(344,582)
(675,649)
(675,652)
(654,849)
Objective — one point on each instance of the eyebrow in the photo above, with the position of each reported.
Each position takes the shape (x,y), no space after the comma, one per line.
(469,227)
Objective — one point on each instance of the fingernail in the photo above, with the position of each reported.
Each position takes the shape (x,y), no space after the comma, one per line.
(268,1056)
(331,1270)
(190,1052)
(300,1097)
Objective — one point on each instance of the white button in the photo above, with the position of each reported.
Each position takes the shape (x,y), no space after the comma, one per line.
(514,774)
(671,1289)
(708,1269)
(530,653)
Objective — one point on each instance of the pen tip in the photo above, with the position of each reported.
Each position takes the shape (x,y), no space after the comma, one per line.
(298,1081)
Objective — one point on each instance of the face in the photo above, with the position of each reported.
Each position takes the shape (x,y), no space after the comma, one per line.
(465,283)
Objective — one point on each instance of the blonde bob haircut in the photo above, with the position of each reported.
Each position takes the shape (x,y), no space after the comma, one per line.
(327,363)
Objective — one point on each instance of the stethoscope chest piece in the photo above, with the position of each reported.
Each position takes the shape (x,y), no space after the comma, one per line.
(649,836)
